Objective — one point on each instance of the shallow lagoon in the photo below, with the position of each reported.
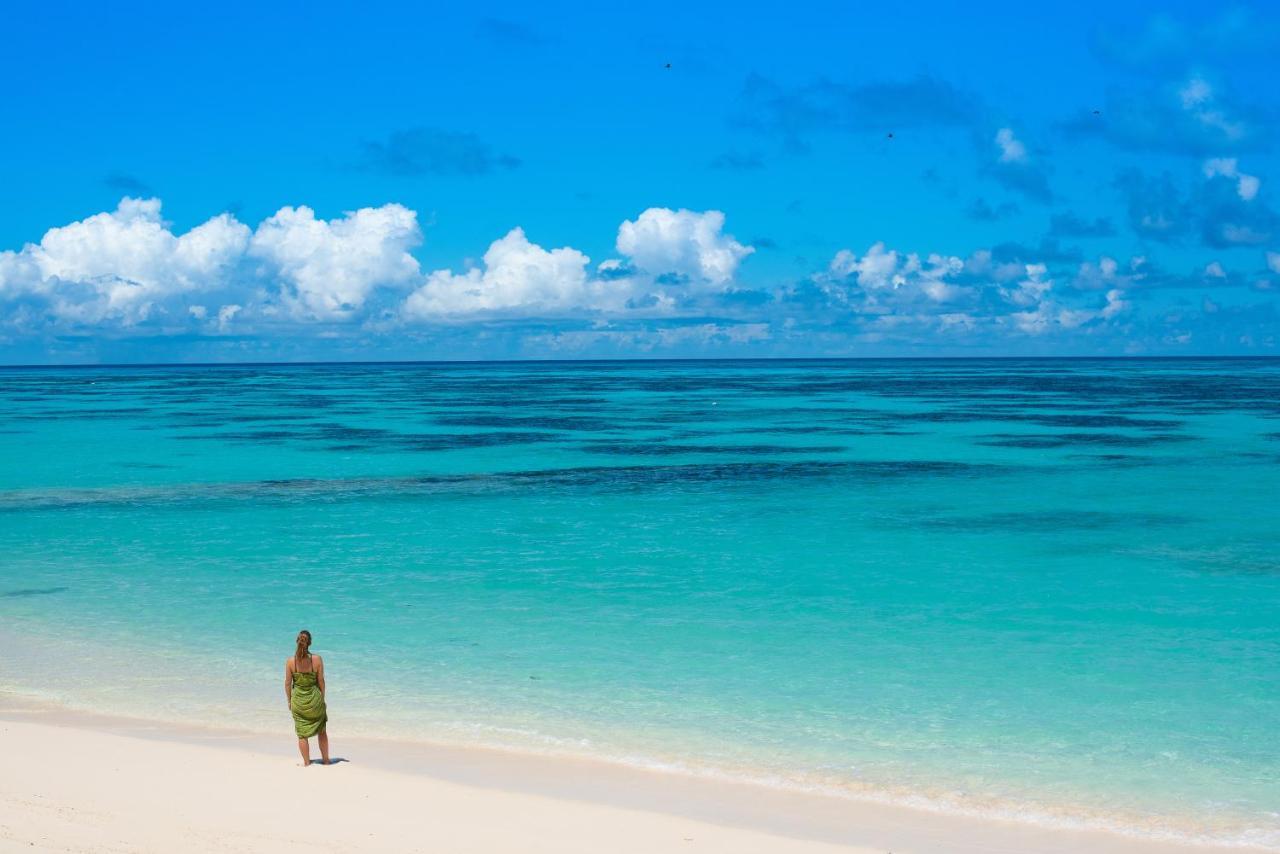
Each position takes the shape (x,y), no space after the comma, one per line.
(1042,587)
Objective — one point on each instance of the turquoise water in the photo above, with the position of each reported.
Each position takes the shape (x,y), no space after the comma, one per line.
(1045,588)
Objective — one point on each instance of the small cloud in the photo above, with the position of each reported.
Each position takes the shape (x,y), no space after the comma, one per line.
(226,314)
(1069,224)
(1195,93)
(1011,148)
(1015,169)
(1246,185)
(422,151)
(128,184)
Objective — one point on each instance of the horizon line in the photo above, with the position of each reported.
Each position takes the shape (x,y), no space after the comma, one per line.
(630,360)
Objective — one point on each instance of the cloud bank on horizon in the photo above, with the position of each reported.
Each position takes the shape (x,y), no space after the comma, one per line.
(673,280)
(816,212)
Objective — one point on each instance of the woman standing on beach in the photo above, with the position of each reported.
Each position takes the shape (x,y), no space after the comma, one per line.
(304,690)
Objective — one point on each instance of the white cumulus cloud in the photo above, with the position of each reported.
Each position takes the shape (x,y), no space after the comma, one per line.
(668,255)
(688,243)
(127,266)
(329,268)
(1246,185)
(886,275)
(120,264)
(516,275)
(876,269)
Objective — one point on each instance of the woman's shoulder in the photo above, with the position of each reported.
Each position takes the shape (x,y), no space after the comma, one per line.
(318,660)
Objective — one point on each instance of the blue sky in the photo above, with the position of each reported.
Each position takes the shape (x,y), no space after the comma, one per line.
(532,181)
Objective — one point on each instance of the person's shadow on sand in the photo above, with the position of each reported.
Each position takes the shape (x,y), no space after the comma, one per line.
(333,760)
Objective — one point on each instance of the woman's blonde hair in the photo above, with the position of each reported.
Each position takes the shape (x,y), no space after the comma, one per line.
(304,645)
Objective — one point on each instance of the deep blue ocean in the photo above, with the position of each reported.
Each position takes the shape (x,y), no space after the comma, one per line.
(1047,589)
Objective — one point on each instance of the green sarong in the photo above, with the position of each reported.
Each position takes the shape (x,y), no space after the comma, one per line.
(307,704)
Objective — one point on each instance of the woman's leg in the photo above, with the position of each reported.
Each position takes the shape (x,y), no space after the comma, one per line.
(305,749)
(324,747)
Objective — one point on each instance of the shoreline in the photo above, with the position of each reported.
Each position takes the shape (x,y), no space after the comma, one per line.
(545,766)
(724,815)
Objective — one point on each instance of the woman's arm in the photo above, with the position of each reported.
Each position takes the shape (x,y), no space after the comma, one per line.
(288,679)
(320,673)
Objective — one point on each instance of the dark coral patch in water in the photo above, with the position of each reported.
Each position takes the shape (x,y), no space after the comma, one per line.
(716,474)
(446,441)
(1051,520)
(660,449)
(32,591)
(730,472)
(1064,440)
(531,422)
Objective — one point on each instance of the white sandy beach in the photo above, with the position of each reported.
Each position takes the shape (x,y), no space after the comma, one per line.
(76,790)
(72,782)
